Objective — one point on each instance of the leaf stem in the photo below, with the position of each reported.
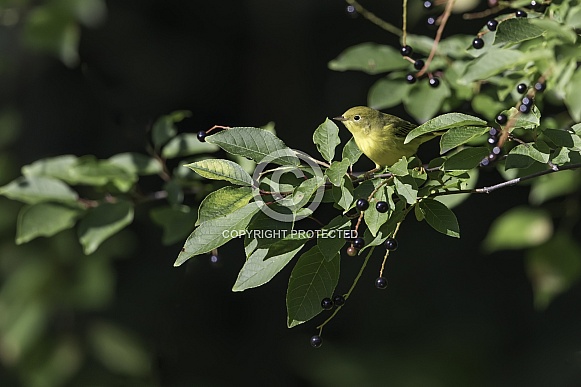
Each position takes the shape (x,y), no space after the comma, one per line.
(320,327)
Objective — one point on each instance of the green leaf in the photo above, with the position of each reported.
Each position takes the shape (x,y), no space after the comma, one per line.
(563,138)
(223,202)
(44,219)
(337,170)
(344,193)
(406,187)
(460,135)
(58,167)
(517,30)
(302,194)
(312,279)
(219,169)
(37,189)
(263,231)
(370,58)
(255,144)
(525,121)
(351,151)
(387,93)
(332,237)
(443,122)
(90,171)
(519,228)
(263,264)
(326,138)
(553,268)
(164,127)
(373,218)
(424,101)
(466,159)
(440,217)
(554,185)
(573,97)
(216,232)
(137,163)
(497,60)
(452,201)
(102,222)
(177,222)
(186,144)
(400,168)
(524,155)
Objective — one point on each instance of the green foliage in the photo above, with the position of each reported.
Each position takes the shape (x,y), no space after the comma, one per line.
(274,187)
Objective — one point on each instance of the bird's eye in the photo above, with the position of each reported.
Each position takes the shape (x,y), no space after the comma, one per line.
(356,118)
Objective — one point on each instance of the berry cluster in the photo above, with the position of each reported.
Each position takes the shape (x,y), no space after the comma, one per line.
(407,51)
(328,303)
(493,140)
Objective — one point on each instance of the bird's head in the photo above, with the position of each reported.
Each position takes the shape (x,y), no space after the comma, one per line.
(359,119)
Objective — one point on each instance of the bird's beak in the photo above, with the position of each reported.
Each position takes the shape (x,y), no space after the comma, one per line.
(340,118)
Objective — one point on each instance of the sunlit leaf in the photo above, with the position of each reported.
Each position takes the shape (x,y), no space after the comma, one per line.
(219,169)
(326,138)
(37,189)
(186,144)
(222,202)
(443,122)
(214,233)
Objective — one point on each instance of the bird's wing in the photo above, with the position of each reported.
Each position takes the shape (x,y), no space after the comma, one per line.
(402,128)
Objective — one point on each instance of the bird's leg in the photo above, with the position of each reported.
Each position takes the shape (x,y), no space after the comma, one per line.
(369,174)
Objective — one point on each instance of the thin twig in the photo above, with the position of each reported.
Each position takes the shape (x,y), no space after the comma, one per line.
(444,20)
(508,183)
(374,19)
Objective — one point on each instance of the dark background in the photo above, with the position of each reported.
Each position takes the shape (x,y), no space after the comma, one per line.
(451,315)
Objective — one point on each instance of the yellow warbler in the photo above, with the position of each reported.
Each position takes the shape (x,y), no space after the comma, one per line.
(381,136)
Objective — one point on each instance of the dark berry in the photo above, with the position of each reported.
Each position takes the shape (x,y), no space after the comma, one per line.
(391,244)
(410,78)
(406,50)
(428,4)
(493,132)
(520,13)
(381,283)
(434,82)
(521,88)
(362,204)
(478,43)
(358,243)
(339,300)
(202,136)
(351,11)
(524,108)
(527,101)
(540,86)
(492,157)
(327,303)
(502,119)
(351,251)
(419,64)
(492,140)
(484,162)
(382,207)
(316,341)
(496,150)
(492,24)
(431,21)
